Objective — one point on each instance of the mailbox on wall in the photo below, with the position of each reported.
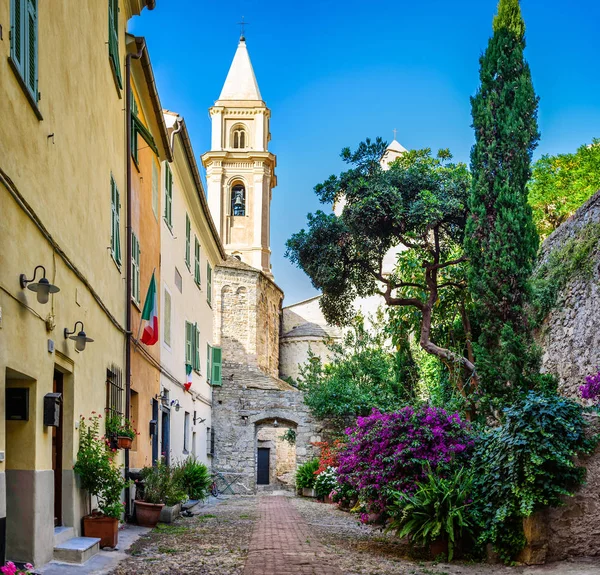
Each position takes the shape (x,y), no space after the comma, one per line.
(17,403)
(52,403)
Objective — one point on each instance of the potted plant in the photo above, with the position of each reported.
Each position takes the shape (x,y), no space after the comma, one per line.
(11,569)
(101,477)
(161,485)
(305,477)
(119,431)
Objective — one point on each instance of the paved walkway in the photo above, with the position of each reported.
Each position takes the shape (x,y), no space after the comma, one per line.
(282,543)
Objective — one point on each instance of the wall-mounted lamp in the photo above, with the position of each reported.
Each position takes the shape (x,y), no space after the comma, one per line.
(80,339)
(275,423)
(163,397)
(43,288)
(175,404)
(198,420)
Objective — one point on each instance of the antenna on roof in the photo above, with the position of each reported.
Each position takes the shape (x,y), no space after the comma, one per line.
(394,130)
(243,25)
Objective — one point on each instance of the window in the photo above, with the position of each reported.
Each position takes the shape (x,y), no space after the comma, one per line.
(213,365)
(167,319)
(208,357)
(186,432)
(115,232)
(188,238)
(239,138)
(113,40)
(23,43)
(192,345)
(210,441)
(238,200)
(208,284)
(168,196)
(114,391)
(178,281)
(134,134)
(155,189)
(197,277)
(135,268)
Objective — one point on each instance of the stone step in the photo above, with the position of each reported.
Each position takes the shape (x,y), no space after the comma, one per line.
(77,550)
(62,534)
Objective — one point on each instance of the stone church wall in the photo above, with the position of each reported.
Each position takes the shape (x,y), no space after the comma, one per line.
(570,338)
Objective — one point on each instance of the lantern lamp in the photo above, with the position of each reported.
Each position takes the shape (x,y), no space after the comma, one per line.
(43,288)
(81,339)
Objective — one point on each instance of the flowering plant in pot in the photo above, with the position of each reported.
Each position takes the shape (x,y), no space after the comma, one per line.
(101,477)
(119,431)
(11,569)
(161,485)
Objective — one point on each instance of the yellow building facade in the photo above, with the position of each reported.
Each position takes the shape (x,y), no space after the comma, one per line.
(62,186)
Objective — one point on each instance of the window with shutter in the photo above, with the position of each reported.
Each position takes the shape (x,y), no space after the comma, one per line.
(24,43)
(208,284)
(197,277)
(155,189)
(188,239)
(113,40)
(188,343)
(115,237)
(216,366)
(208,363)
(134,133)
(196,348)
(167,319)
(168,196)
(135,268)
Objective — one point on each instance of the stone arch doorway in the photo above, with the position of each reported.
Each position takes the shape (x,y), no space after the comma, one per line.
(275,454)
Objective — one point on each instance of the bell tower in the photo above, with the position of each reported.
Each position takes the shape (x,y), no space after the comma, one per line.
(240,170)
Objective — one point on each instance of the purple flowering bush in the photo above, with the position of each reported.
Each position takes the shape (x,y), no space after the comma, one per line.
(388,452)
(591,389)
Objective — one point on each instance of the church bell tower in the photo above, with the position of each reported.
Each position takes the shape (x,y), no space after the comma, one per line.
(240,170)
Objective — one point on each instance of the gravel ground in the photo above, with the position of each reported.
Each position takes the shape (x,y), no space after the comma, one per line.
(213,542)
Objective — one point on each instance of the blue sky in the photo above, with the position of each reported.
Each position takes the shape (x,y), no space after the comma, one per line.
(336,71)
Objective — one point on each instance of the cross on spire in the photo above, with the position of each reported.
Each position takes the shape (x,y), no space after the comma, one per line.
(394,130)
(243,25)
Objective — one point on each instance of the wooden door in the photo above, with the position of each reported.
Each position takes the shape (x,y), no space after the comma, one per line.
(57,453)
(262,472)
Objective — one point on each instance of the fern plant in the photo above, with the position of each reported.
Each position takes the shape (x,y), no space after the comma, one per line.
(306,474)
(437,510)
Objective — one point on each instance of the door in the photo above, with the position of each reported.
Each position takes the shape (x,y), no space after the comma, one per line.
(57,452)
(262,473)
(165,437)
(154,431)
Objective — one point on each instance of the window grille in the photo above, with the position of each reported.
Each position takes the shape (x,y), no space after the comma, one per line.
(114,391)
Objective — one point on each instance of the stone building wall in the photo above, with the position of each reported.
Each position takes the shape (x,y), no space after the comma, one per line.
(570,338)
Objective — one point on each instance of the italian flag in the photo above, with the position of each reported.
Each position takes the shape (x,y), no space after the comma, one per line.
(188,377)
(150,314)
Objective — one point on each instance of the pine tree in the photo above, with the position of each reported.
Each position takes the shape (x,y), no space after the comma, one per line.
(501,238)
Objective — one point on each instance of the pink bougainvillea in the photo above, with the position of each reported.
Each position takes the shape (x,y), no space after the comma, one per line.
(591,389)
(391,451)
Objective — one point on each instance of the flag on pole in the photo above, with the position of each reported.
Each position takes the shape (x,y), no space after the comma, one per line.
(150,314)
(188,377)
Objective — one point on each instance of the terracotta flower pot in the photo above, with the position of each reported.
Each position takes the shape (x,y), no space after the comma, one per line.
(106,528)
(438,547)
(124,442)
(147,514)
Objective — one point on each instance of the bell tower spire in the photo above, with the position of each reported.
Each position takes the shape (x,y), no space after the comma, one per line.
(240,170)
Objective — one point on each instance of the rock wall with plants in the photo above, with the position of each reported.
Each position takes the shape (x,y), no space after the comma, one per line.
(569,303)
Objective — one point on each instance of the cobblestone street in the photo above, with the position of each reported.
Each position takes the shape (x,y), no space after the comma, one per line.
(292,536)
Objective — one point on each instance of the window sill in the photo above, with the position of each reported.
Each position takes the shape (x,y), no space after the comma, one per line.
(170,228)
(198,285)
(136,303)
(28,95)
(117,264)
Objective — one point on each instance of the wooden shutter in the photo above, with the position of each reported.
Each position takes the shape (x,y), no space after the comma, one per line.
(208,284)
(208,363)
(167,318)
(116,221)
(197,278)
(196,348)
(135,268)
(113,39)
(188,343)
(32,55)
(188,239)
(216,366)
(168,194)
(16,38)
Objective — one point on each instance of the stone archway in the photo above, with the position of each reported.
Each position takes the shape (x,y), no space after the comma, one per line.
(275,441)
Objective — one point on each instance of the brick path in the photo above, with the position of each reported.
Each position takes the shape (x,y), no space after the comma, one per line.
(282,543)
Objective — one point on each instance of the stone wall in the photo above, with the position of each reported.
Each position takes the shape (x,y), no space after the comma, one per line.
(570,337)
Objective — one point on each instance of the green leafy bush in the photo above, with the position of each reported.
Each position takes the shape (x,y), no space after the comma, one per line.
(326,482)
(527,464)
(195,478)
(438,509)
(162,484)
(305,474)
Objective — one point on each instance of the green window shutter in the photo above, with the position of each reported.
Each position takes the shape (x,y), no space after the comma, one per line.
(31,62)
(16,32)
(188,343)
(135,268)
(116,222)
(155,189)
(188,238)
(216,366)
(167,319)
(208,284)
(197,278)
(113,39)
(168,195)
(196,348)
(208,362)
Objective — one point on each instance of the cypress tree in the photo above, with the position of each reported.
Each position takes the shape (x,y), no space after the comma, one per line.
(501,238)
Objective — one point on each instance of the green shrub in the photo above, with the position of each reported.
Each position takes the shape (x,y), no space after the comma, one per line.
(305,474)
(162,484)
(527,464)
(326,482)
(195,478)
(438,509)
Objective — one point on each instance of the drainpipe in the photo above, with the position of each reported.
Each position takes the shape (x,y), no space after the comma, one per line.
(142,46)
(179,124)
